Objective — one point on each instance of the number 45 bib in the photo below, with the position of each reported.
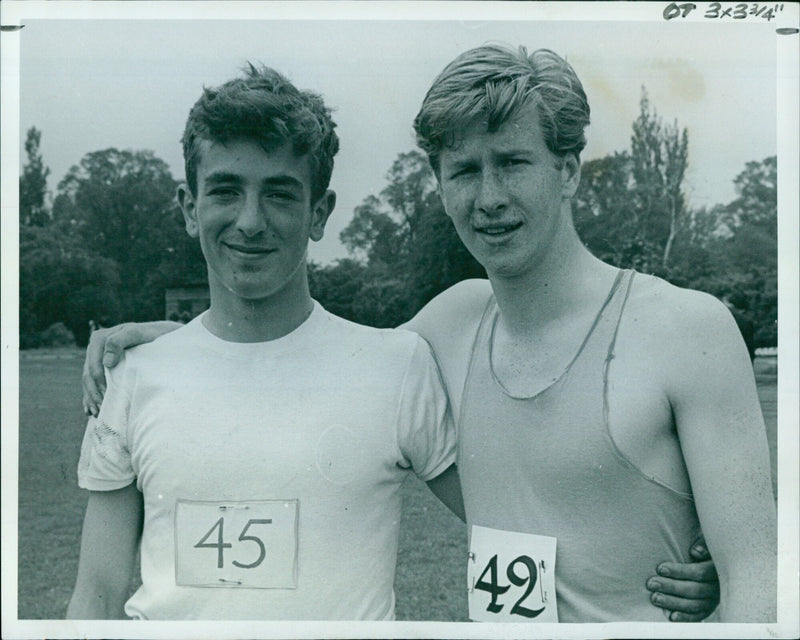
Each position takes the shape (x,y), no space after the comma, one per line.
(249,544)
(511,576)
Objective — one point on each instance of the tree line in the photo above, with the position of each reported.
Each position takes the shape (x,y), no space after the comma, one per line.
(113,238)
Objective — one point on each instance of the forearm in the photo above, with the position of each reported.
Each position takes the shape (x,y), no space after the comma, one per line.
(93,601)
(737,513)
(724,444)
(749,589)
(109,543)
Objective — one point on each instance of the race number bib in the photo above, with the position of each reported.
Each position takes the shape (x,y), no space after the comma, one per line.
(511,577)
(236,544)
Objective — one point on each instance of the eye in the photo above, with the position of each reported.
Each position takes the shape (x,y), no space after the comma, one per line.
(222,192)
(285,196)
(463,171)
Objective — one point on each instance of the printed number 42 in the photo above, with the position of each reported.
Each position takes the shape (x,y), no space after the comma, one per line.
(220,545)
(495,589)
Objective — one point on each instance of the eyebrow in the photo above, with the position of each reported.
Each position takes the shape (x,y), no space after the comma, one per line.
(220,177)
(460,164)
(513,152)
(280,180)
(283,181)
(455,165)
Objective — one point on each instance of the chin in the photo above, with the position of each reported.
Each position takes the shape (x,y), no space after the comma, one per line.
(252,293)
(505,267)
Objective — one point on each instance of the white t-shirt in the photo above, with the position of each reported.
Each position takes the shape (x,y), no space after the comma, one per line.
(271,472)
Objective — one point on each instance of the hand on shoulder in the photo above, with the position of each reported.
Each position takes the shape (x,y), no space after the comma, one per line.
(105,349)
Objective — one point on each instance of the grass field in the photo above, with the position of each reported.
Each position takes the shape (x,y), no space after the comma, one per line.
(431,572)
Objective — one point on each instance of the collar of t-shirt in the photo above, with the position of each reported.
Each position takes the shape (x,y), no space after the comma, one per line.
(299,337)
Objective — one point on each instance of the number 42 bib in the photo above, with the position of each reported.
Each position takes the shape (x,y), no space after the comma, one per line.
(511,576)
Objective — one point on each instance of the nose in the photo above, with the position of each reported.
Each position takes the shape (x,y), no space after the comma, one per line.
(251,220)
(492,197)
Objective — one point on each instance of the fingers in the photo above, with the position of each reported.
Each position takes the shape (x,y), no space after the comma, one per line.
(689,591)
(103,350)
(115,345)
(690,571)
(92,391)
(683,609)
(699,550)
(677,616)
(684,589)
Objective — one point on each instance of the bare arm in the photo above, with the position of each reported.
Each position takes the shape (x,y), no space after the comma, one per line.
(111,531)
(447,488)
(723,440)
(448,324)
(105,348)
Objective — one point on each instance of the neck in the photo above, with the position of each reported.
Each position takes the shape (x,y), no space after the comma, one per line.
(237,319)
(566,278)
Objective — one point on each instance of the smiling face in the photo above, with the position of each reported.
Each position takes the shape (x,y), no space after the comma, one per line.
(253,215)
(508,194)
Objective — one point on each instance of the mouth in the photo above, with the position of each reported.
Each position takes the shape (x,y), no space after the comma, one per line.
(250,251)
(496,230)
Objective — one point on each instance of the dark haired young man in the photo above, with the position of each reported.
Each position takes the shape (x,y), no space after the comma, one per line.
(257,485)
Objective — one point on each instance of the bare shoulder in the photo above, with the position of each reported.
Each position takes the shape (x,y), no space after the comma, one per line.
(453,311)
(686,332)
(677,312)
(449,323)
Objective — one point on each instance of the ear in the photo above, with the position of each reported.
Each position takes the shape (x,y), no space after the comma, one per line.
(189,209)
(570,176)
(320,212)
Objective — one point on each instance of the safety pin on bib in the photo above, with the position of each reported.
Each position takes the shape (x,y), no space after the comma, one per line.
(541,582)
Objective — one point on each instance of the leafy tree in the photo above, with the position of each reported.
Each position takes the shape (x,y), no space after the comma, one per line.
(121,204)
(439,258)
(336,286)
(407,244)
(747,276)
(33,183)
(660,155)
(757,201)
(373,234)
(630,209)
(606,216)
(62,281)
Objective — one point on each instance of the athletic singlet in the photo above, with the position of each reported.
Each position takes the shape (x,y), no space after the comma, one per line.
(547,465)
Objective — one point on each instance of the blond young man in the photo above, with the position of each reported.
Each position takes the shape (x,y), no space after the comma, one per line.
(603,416)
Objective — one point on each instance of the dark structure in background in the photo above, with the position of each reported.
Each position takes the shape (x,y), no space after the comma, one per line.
(181,304)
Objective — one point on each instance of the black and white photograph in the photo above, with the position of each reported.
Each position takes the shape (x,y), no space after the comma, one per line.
(400,320)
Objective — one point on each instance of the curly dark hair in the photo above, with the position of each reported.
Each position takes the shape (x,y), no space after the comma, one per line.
(263,106)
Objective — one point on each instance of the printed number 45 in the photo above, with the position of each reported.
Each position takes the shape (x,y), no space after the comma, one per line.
(494,588)
(220,545)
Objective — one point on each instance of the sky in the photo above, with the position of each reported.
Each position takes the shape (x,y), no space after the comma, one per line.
(100,79)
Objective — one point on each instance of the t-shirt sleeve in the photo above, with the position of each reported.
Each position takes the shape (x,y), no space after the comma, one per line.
(105,462)
(426,433)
